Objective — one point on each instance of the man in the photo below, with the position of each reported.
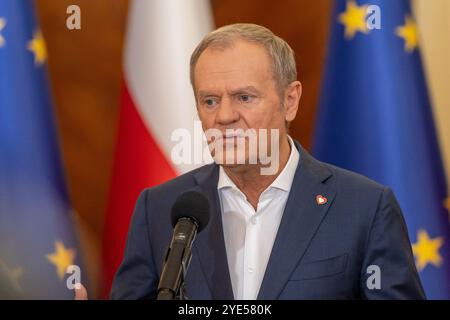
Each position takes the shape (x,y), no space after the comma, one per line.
(309,230)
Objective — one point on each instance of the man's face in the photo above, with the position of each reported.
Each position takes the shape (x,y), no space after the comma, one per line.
(235,89)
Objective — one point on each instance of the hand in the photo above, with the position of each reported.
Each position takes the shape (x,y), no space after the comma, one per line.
(80,293)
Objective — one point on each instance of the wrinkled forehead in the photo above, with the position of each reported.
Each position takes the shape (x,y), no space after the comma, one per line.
(241,64)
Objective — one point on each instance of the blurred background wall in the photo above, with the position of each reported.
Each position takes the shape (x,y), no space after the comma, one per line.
(85,68)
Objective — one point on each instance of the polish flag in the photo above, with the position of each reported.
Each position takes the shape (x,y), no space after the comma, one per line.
(156,100)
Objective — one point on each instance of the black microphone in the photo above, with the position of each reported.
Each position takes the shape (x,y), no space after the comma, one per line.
(190,215)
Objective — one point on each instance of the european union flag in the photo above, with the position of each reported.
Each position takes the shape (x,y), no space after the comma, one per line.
(37,240)
(375,118)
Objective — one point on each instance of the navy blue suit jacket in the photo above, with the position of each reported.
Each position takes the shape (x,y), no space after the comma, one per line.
(320,251)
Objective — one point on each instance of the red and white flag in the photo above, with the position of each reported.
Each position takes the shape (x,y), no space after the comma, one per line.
(156,99)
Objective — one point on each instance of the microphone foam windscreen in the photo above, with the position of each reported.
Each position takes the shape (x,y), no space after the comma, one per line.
(194,205)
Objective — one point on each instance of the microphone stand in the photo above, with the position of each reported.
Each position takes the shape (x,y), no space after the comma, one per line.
(179,290)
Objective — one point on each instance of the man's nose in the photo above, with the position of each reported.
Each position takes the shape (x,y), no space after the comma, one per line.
(226,113)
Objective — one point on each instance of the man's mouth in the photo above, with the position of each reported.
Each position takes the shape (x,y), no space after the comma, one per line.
(232,135)
(231,138)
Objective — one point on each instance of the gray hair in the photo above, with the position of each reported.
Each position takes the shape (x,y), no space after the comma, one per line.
(280,53)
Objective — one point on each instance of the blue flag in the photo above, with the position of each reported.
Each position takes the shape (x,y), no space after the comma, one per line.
(375,118)
(37,241)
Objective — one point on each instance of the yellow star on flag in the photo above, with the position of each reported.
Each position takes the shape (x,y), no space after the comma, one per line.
(2,25)
(37,46)
(61,258)
(354,19)
(426,250)
(409,33)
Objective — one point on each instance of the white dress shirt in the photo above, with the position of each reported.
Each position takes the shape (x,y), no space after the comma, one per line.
(249,234)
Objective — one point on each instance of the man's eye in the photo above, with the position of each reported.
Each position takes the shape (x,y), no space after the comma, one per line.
(245,98)
(211,102)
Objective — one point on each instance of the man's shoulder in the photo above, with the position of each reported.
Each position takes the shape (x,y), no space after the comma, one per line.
(351,182)
(356,195)
(342,179)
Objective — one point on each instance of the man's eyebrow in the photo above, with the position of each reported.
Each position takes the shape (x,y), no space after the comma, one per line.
(202,94)
(251,89)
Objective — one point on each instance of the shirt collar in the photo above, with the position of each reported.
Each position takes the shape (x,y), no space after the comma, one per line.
(284,179)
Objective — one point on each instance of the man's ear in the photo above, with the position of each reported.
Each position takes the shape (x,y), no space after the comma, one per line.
(292,96)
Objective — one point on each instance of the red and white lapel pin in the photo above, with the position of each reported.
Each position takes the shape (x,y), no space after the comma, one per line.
(320,199)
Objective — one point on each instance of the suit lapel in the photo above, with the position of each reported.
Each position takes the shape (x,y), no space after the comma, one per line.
(210,243)
(301,218)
